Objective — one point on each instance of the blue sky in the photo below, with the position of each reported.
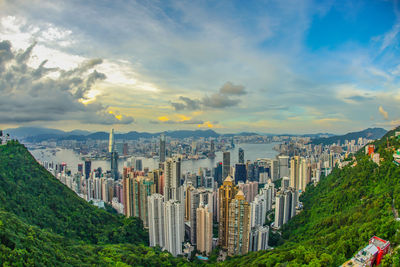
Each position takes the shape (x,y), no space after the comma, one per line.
(263,66)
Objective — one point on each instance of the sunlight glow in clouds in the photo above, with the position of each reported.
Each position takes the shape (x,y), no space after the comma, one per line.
(233,66)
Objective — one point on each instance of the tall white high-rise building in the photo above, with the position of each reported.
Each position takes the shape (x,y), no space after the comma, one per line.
(294,172)
(204,229)
(274,169)
(174,226)
(111,142)
(156,220)
(172,179)
(258,238)
(279,210)
(283,166)
(258,210)
(268,192)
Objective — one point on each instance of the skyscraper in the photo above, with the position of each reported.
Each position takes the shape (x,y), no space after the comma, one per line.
(156,220)
(111,142)
(226,164)
(241,156)
(188,196)
(194,204)
(174,227)
(204,229)
(279,207)
(80,168)
(259,238)
(258,210)
(285,206)
(136,191)
(138,165)
(88,166)
(238,225)
(294,172)
(172,179)
(274,169)
(218,173)
(283,166)
(226,193)
(240,173)
(162,147)
(113,156)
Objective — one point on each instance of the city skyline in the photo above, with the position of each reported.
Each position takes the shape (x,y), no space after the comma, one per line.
(263,67)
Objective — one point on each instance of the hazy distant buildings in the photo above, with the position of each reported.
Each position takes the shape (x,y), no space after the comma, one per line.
(241,156)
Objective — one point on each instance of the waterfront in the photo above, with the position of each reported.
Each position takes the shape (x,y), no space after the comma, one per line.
(72,159)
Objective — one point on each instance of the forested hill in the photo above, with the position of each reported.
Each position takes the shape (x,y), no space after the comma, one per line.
(42,222)
(38,198)
(341,213)
(370,133)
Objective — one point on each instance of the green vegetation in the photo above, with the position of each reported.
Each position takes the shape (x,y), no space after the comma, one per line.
(42,222)
(25,245)
(341,213)
(37,198)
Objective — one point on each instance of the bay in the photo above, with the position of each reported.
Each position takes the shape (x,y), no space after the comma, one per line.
(252,152)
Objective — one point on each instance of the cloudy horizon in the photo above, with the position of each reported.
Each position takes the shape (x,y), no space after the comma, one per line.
(231,66)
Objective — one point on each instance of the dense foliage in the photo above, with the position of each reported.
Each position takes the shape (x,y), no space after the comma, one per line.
(25,245)
(45,223)
(341,213)
(37,198)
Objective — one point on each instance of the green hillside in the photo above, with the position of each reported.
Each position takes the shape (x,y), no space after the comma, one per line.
(25,245)
(37,198)
(341,213)
(42,222)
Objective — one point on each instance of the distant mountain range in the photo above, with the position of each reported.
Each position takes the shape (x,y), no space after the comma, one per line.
(38,134)
(370,133)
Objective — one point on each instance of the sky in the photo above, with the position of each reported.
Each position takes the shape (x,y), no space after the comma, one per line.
(283,66)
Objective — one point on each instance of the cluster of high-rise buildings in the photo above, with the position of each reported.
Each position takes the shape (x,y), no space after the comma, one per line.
(231,206)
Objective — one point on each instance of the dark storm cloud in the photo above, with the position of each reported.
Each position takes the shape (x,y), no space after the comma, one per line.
(186,103)
(221,99)
(230,89)
(28,94)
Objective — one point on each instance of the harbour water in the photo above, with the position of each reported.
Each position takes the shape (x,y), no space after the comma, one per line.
(72,159)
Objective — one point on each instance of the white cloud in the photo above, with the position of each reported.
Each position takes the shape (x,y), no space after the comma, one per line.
(383,113)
